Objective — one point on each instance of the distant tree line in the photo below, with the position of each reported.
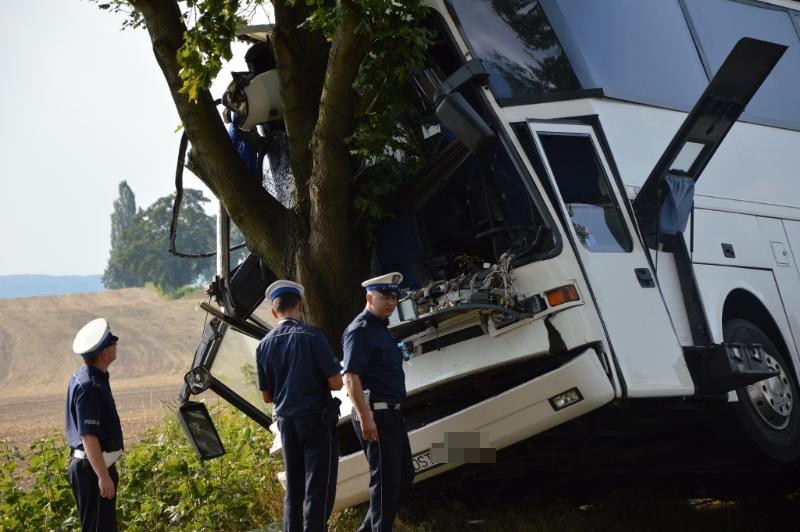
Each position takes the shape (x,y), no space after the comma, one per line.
(140,242)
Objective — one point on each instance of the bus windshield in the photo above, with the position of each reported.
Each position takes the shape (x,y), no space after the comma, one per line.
(517,45)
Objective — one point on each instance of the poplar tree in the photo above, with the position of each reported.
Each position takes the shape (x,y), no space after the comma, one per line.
(121,219)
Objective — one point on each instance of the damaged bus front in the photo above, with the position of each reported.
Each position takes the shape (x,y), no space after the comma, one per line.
(529,294)
(499,334)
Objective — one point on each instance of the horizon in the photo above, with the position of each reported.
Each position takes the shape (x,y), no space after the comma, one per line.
(46,285)
(50,275)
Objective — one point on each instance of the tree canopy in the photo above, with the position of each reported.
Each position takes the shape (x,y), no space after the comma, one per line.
(139,247)
(343,66)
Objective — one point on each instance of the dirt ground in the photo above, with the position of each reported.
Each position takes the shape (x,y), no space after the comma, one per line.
(142,403)
(158,338)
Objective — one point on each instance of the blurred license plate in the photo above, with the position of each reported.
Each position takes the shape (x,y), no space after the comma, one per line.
(422,461)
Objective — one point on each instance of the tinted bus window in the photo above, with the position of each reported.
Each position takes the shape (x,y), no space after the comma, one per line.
(721,23)
(639,50)
(517,45)
(586,192)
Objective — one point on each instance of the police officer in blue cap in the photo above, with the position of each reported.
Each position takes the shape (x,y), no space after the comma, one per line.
(296,370)
(93,429)
(373,372)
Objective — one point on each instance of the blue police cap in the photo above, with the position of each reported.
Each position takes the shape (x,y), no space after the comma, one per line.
(384,283)
(282,286)
(93,338)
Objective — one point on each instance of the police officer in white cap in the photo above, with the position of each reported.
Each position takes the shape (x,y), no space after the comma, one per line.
(94,433)
(373,372)
(296,370)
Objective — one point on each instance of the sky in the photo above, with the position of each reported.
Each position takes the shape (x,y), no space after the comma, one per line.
(84,106)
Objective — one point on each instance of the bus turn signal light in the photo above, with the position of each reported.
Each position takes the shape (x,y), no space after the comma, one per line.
(561,295)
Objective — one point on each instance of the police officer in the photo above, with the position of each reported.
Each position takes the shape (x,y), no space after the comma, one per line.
(373,372)
(297,369)
(93,429)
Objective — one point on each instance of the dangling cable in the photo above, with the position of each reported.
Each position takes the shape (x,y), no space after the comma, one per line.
(176,207)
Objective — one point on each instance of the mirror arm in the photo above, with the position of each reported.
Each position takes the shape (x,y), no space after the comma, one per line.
(469,71)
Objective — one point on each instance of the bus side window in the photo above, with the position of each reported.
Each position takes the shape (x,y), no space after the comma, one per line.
(586,192)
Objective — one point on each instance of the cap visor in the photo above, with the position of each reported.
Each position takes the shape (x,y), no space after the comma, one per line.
(393,293)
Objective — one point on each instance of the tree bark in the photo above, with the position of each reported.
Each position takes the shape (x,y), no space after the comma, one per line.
(336,259)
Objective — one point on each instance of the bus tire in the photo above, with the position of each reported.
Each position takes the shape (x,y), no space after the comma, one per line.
(768,410)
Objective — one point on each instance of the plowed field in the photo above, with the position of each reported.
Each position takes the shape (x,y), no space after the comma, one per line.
(157,341)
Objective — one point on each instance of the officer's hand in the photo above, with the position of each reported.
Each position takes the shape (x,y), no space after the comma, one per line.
(369,429)
(106,486)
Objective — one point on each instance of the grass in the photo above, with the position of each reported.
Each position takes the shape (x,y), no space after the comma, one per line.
(629,510)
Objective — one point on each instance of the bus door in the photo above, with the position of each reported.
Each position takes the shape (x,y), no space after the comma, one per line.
(628,299)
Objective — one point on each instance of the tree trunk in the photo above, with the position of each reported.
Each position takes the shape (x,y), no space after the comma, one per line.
(336,256)
(301,58)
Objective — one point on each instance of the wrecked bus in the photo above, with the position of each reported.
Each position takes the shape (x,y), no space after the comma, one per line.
(609,215)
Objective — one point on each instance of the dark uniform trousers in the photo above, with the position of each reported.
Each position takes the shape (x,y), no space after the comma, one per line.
(391,471)
(311,460)
(96,513)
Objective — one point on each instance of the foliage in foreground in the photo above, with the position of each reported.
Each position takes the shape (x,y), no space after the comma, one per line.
(163,485)
(47,503)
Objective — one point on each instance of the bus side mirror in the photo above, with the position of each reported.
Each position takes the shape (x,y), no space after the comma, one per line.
(457,115)
(202,434)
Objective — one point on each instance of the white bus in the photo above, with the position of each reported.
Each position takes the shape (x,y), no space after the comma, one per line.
(610,214)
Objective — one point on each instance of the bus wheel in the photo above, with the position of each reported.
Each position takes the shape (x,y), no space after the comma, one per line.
(768,410)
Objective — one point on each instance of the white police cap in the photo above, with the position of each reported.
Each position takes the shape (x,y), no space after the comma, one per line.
(93,338)
(283,286)
(384,283)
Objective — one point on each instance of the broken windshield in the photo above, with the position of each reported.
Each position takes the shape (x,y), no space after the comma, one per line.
(478,213)
(517,45)
(464,212)
(235,366)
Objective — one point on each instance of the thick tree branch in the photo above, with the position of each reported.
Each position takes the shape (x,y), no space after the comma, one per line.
(301,56)
(214,159)
(332,165)
(338,100)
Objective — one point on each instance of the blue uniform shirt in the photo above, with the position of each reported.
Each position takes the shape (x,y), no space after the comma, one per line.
(371,352)
(90,409)
(294,364)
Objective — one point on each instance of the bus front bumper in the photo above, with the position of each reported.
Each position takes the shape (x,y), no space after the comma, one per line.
(505,419)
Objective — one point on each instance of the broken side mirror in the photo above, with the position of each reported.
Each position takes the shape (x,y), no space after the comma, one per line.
(457,115)
(197,380)
(197,424)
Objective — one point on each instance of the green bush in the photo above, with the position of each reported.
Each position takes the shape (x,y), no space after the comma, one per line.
(163,485)
(40,498)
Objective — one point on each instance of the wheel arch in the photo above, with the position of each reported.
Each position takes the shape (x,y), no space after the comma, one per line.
(743,304)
